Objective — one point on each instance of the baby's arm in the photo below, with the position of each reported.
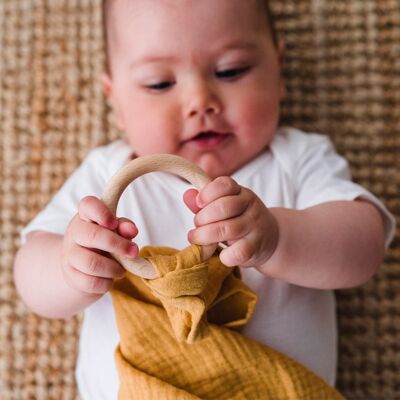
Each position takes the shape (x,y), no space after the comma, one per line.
(58,276)
(332,245)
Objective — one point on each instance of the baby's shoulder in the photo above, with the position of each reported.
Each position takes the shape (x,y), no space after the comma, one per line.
(109,157)
(294,141)
(115,149)
(290,145)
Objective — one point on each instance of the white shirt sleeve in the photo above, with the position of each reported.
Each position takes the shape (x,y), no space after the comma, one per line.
(88,179)
(322,175)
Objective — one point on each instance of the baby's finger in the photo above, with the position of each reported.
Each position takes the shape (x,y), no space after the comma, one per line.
(87,283)
(223,231)
(222,209)
(189,198)
(126,228)
(95,264)
(95,236)
(238,253)
(93,209)
(219,187)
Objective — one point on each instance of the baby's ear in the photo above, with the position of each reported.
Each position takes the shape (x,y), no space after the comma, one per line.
(281,58)
(107,85)
(281,50)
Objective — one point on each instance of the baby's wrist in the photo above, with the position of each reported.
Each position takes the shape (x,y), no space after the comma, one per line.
(272,235)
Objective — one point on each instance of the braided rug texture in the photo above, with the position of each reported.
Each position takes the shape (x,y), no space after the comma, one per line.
(342,71)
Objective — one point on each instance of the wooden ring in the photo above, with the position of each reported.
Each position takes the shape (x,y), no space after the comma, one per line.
(138,167)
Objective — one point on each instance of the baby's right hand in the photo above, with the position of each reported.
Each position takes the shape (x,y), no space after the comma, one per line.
(90,236)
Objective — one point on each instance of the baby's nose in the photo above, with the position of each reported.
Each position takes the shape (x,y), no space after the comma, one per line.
(202,99)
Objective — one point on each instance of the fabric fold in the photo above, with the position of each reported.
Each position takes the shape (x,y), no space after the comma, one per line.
(180,336)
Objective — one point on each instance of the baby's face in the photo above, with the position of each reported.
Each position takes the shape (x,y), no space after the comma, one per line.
(196,78)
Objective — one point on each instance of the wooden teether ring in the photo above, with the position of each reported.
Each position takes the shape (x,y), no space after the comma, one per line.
(138,167)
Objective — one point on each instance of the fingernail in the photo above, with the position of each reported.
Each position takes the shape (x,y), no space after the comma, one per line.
(190,235)
(199,202)
(132,251)
(134,228)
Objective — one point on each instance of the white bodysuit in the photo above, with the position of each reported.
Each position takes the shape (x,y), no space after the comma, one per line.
(298,171)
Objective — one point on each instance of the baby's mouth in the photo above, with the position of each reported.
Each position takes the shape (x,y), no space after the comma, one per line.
(207,135)
(208,140)
(210,137)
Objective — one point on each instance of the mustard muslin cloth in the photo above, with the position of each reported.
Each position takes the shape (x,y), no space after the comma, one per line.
(180,339)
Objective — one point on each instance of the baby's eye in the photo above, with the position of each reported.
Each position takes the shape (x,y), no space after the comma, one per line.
(232,73)
(159,86)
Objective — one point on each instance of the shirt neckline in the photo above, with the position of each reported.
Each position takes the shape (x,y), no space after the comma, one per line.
(166,179)
(241,175)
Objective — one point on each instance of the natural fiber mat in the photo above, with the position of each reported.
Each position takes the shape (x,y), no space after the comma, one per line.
(343,78)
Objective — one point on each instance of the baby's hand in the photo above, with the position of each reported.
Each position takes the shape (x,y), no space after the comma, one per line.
(90,235)
(228,212)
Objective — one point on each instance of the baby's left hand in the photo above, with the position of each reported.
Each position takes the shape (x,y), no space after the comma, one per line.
(228,212)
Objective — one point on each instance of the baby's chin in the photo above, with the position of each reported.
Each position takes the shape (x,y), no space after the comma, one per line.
(214,166)
(211,163)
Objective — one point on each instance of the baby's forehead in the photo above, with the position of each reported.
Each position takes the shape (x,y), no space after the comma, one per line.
(131,23)
(114,10)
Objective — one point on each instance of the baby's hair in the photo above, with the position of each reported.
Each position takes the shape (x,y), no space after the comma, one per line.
(270,19)
(106,7)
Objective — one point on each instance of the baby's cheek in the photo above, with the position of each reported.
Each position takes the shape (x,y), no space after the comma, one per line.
(259,116)
(155,133)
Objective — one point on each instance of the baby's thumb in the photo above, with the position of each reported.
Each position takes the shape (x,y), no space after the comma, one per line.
(189,198)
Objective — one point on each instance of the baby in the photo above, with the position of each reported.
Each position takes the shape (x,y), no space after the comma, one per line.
(202,79)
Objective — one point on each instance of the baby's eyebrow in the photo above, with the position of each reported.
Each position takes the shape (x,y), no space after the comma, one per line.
(152,59)
(159,58)
(238,45)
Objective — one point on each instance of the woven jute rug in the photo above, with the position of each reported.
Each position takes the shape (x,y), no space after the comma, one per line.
(342,72)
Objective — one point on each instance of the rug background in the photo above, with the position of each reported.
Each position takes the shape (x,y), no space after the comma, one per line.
(342,71)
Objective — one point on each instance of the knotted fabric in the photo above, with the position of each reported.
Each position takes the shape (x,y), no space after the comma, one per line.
(180,336)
